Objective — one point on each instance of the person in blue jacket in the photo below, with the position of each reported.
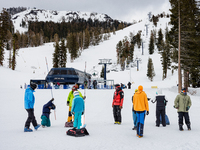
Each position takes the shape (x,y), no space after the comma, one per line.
(46,112)
(78,108)
(29,101)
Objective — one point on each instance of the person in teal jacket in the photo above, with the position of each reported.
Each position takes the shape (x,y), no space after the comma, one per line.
(78,108)
(29,101)
(70,100)
(183,103)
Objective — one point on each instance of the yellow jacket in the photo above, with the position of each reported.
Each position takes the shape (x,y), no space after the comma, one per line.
(140,101)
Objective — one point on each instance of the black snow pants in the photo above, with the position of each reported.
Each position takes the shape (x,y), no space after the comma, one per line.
(31,118)
(160,111)
(184,115)
(117,113)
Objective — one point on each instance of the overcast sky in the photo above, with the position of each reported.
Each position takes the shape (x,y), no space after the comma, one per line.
(125,10)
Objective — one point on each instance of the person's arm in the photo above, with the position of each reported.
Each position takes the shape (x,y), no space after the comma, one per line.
(121,99)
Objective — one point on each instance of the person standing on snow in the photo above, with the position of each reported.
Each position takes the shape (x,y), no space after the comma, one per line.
(78,108)
(183,103)
(117,104)
(29,101)
(141,107)
(46,112)
(160,107)
(129,85)
(134,114)
(69,103)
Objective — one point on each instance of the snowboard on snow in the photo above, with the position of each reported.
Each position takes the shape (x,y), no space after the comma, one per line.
(166,120)
(68,124)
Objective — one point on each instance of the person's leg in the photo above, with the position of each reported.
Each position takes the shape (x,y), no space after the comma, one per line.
(180,120)
(163,117)
(69,119)
(187,120)
(115,113)
(31,118)
(119,117)
(134,119)
(157,117)
(79,120)
(142,117)
(75,120)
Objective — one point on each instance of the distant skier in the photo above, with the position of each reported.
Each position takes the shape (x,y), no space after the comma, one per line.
(78,108)
(183,103)
(134,114)
(160,107)
(29,101)
(129,85)
(95,84)
(141,107)
(46,112)
(117,104)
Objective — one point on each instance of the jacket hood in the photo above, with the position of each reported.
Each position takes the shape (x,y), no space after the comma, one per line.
(140,88)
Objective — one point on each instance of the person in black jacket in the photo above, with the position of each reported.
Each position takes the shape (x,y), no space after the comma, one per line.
(160,107)
(46,112)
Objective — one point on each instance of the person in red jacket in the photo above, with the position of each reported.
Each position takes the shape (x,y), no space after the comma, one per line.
(117,104)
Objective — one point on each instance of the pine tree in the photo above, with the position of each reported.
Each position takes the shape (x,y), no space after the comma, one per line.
(5,25)
(150,70)
(160,39)
(15,47)
(63,54)
(151,44)
(56,55)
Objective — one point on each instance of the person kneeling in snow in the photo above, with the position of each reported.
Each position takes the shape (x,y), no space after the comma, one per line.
(78,108)
(46,112)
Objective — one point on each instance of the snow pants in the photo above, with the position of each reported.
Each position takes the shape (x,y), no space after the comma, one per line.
(160,111)
(31,118)
(77,120)
(184,115)
(134,119)
(117,113)
(140,124)
(69,119)
(45,121)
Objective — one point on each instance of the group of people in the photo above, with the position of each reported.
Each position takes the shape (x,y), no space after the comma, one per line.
(141,108)
(75,102)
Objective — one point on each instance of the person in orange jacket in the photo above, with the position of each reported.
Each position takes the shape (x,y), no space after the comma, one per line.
(141,106)
(117,104)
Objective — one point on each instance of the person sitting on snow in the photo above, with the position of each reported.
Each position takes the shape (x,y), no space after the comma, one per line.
(46,112)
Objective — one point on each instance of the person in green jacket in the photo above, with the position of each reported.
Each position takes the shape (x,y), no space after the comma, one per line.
(183,103)
(70,100)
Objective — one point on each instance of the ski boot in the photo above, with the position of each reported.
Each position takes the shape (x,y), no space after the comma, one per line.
(118,123)
(134,128)
(27,129)
(36,127)
(188,126)
(181,127)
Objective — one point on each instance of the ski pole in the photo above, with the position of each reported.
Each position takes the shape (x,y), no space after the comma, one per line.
(51,88)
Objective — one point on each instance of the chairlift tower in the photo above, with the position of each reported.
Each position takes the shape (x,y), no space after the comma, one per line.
(104,62)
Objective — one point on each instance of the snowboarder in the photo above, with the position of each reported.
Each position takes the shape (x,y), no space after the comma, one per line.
(78,108)
(141,107)
(29,101)
(46,112)
(183,103)
(69,122)
(129,85)
(134,114)
(160,107)
(117,104)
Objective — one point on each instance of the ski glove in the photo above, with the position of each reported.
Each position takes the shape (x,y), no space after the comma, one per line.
(67,103)
(82,112)
(147,112)
(84,97)
(52,100)
(187,108)
(175,107)
(120,107)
